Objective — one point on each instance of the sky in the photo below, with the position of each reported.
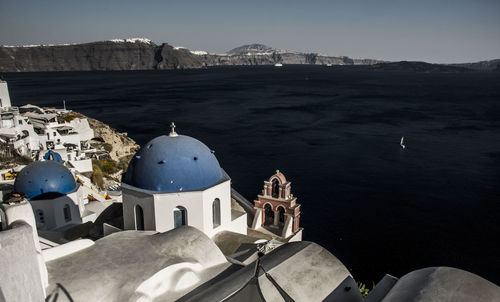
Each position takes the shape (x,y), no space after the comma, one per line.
(439,31)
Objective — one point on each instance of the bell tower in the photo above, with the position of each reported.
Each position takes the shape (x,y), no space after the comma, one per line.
(276,209)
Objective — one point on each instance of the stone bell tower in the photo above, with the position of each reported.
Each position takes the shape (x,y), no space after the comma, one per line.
(276,209)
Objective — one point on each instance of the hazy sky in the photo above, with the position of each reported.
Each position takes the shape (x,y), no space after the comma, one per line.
(434,31)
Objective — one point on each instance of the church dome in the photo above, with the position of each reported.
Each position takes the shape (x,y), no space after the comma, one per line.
(52,155)
(44,177)
(174,163)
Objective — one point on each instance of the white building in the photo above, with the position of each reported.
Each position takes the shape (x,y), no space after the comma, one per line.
(15,129)
(28,130)
(4,95)
(58,201)
(176,180)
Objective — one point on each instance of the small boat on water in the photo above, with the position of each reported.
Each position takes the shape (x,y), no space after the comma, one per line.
(402,143)
(278,65)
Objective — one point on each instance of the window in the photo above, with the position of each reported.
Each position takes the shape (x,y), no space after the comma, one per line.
(67,213)
(139,218)
(216,212)
(180,217)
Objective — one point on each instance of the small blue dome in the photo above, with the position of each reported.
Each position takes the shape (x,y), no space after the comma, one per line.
(52,155)
(174,164)
(43,177)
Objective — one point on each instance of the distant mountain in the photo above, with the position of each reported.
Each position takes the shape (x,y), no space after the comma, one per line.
(251,49)
(482,65)
(418,67)
(143,54)
(260,54)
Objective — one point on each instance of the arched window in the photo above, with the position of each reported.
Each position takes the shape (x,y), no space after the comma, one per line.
(216,212)
(67,213)
(281,211)
(139,218)
(180,216)
(269,214)
(275,190)
(40,217)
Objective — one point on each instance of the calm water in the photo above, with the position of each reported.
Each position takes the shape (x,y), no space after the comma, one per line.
(335,134)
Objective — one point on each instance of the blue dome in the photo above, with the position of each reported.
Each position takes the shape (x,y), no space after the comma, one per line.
(52,155)
(43,177)
(174,164)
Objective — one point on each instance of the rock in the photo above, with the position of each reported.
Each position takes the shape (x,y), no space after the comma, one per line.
(105,55)
(123,147)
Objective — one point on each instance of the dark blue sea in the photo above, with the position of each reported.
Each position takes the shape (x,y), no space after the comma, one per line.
(335,133)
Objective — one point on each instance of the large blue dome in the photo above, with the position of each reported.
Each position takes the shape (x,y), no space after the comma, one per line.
(173,164)
(43,177)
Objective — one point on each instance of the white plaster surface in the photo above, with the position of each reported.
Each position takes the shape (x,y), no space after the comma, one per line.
(4,95)
(158,209)
(66,249)
(311,274)
(443,284)
(123,265)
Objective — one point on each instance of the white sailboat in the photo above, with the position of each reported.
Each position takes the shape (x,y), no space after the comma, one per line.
(402,143)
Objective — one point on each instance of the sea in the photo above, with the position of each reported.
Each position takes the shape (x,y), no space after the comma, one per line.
(335,133)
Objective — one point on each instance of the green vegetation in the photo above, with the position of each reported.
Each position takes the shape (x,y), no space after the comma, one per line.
(364,290)
(69,117)
(97,175)
(105,168)
(123,164)
(107,147)
(19,160)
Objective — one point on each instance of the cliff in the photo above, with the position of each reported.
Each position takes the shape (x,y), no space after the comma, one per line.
(418,67)
(122,147)
(142,54)
(107,55)
(259,54)
(491,65)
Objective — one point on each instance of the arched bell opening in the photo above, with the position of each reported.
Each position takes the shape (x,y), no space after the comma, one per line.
(269,215)
(275,188)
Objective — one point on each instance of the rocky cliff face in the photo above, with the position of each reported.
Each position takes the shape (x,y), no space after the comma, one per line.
(491,65)
(122,146)
(141,54)
(259,54)
(280,57)
(96,56)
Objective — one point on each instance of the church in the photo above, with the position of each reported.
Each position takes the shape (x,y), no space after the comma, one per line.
(176,180)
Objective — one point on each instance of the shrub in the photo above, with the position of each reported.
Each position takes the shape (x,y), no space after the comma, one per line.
(107,147)
(98,177)
(108,166)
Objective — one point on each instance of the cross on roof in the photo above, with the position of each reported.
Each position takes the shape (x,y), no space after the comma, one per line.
(172,130)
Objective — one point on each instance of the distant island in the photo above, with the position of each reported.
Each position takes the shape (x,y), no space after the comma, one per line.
(143,54)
